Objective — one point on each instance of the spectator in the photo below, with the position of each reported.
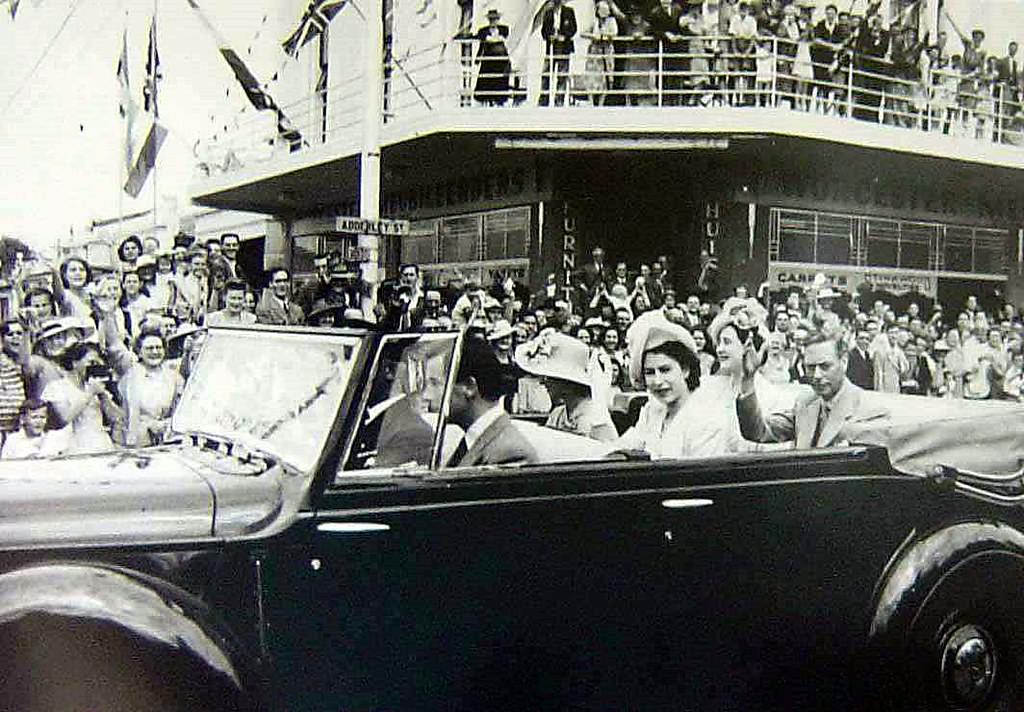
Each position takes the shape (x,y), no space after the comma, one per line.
(39,307)
(706,357)
(829,37)
(492,55)
(558,27)
(861,366)
(149,392)
(12,385)
(744,31)
(276,305)
(664,20)
(135,304)
(75,279)
(775,368)
(34,436)
(82,400)
(129,252)
(870,67)
(889,361)
(234,312)
(601,54)
(229,248)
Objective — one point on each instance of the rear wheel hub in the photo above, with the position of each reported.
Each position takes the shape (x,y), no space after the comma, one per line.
(969,662)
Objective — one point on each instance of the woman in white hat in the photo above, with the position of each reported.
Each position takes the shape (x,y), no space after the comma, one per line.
(562,362)
(739,326)
(663,358)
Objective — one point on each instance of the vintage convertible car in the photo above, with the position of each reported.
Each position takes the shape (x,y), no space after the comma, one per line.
(304,548)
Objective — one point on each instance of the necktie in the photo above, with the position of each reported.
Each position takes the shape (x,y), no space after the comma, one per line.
(822,419)
(460,452)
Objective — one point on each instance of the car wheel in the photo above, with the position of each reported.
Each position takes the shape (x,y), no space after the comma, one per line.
(57,664)
(965,647)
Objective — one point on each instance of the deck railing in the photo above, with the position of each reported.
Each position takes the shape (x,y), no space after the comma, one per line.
(695,73)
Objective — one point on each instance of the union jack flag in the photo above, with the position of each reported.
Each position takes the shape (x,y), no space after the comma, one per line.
(315,20)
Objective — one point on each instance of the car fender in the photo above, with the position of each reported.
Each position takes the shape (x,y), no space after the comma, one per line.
(143,607)
(923,562)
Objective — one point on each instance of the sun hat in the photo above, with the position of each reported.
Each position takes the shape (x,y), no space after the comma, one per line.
(650,330)
(555,355)
(499,330)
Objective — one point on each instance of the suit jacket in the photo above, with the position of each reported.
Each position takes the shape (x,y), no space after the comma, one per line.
(800,422)
(270,310)
(1008,74)
(566,28)
(500,444)
(861,370)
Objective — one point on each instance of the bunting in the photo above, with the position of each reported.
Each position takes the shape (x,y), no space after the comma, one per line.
(12,6)
(257,95)
(314,22)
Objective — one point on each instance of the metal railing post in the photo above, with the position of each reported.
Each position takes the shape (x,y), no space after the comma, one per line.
(849,88)
(661,73)
(774,100)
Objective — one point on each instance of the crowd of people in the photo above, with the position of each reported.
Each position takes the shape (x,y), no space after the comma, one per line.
(814,58)
(92,359)
(96,356)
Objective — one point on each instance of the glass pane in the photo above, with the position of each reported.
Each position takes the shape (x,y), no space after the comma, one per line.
(796,236)
(460,238)
(833,250)
(959,242)
(402,413)
(304,249)
(506,233)
(262,400)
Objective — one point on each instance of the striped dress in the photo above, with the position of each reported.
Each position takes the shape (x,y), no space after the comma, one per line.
(12,393)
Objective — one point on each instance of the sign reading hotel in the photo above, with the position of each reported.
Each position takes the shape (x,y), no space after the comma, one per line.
(782,275)
(361,226)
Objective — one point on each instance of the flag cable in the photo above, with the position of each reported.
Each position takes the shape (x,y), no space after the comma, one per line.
(46,51)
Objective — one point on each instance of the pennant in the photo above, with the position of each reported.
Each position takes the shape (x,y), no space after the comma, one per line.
(314,21)
(254,91)
(153,75)
(127,107)
(12,6)
(146,161)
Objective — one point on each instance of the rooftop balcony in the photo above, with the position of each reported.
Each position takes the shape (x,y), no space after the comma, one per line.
(633,94)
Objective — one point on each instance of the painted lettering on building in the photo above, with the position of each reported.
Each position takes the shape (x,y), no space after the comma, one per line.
(568,250)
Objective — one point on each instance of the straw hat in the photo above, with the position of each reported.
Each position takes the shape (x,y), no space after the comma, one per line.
(555,355)
(500,330)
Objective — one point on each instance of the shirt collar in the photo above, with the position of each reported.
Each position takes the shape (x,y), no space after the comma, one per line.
(474,431)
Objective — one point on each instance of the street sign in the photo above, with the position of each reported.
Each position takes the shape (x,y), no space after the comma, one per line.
(361,226)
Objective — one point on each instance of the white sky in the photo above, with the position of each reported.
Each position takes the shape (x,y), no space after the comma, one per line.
(60,132)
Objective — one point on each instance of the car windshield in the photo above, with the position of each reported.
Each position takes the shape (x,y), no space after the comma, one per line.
(274,392)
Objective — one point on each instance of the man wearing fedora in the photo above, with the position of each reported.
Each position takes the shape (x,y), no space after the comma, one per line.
(491,437)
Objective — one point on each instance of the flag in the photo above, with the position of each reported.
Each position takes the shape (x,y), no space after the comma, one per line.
(254,91)
(153,75)
(12,5)
(146,161)
(314,21)
(127,107)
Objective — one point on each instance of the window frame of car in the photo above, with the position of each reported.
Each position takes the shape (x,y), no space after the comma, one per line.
(341,474)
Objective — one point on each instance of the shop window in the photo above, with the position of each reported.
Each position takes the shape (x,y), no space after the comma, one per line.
(304,249)
(959,250)
(916,241)
(990,252)
(883,243)
(460,238)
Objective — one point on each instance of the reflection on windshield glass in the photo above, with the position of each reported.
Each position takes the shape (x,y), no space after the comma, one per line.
(275,392)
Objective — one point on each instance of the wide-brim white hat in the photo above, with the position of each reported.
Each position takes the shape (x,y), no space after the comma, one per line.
(555,355)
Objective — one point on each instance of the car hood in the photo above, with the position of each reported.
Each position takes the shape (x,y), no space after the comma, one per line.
(118,497)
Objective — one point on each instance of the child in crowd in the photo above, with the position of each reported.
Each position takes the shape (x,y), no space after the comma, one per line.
(34,438)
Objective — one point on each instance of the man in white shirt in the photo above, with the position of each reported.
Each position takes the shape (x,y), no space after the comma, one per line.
(234,312)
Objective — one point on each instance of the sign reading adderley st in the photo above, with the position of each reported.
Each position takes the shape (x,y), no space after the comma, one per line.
(361,226)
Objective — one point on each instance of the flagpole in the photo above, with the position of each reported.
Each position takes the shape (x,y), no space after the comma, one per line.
(156,114)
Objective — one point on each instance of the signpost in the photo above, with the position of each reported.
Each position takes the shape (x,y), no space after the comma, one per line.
(370,226)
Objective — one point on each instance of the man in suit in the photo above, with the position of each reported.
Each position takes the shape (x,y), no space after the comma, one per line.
(594,272)
(1010,80)
(558,27)
(829,37)
(276,305)
(826,418)
(491,437)
(861,368)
